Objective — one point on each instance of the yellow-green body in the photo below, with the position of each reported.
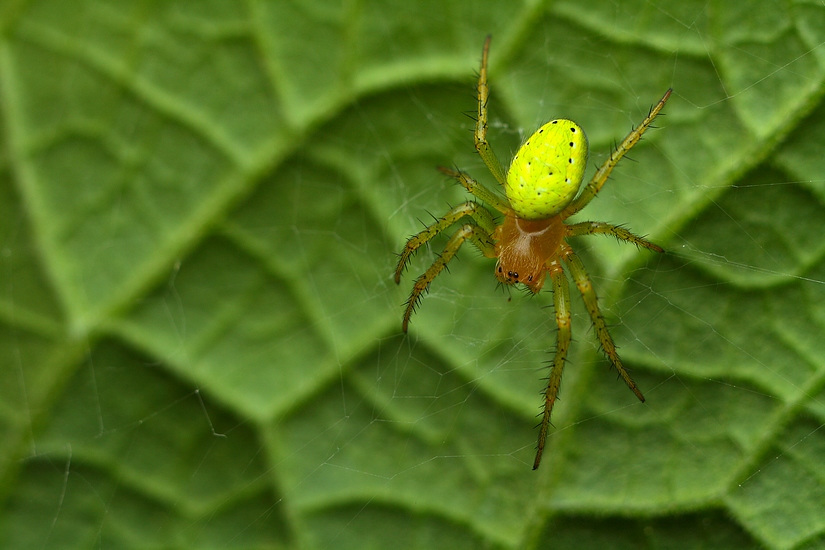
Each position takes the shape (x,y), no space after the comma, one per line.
(547,171)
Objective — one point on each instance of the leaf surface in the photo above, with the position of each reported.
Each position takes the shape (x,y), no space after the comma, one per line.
(200,206)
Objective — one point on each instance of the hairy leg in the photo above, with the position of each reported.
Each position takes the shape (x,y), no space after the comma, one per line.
(591,302)
(593,228)
(561,301)
(599,179)
(483,148)
(475,234)
(478,190)
(480,215)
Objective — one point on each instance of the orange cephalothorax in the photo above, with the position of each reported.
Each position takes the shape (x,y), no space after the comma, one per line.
(523,248)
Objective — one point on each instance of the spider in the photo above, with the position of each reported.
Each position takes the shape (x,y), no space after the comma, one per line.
(542,192)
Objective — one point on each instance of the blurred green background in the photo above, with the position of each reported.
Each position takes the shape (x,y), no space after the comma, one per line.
(200,342)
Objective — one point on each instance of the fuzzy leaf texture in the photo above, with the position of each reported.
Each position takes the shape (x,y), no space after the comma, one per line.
(200,207)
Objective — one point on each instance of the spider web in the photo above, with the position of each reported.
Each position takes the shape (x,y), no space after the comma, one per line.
(202,337)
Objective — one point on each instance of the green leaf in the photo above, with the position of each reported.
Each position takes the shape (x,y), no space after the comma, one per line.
(200,207)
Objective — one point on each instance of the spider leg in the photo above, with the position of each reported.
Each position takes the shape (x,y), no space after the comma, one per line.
(476,234)
(477,190)
(593,228)
(480,135)
(591,302)
(561,301)
(599,179)
(474,210)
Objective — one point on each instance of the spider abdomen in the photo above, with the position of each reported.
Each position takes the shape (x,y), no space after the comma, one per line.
(547,171)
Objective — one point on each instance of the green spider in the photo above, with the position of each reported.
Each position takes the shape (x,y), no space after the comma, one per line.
(541,190)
